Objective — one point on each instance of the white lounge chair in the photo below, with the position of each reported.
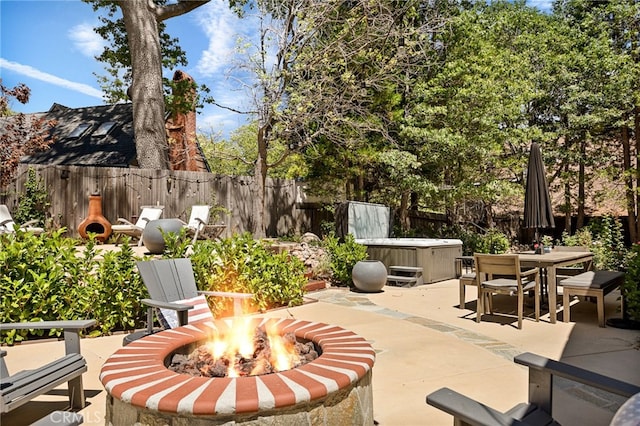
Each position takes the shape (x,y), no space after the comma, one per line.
(197,220)
(134,230)
(7,224)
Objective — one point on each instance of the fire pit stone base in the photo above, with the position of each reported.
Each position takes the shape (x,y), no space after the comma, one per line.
(352,406)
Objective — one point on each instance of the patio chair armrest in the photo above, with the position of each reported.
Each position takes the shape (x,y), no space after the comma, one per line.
(166,305)
(146,220)
(545,366)
(5,221)
(532,271)
(200,221)
(71,329)
(230,294)
(468,411)
(124,221)
(29,223)
(45,325)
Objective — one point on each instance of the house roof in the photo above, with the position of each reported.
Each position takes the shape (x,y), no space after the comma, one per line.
(91,136)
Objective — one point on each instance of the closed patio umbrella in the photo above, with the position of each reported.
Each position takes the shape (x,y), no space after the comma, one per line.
(538,212)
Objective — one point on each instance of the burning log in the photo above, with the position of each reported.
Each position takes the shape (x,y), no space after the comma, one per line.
(270,355)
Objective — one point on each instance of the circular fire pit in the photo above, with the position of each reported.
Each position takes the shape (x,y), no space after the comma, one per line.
(335,388)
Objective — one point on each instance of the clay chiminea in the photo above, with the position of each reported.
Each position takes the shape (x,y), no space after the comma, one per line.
(95,223)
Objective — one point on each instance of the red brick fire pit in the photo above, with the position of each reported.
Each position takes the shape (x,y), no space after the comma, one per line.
(335,388)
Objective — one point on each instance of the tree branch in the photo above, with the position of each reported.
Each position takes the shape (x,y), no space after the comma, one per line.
(176,9)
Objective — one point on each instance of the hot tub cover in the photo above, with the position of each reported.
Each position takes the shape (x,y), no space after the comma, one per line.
(410,242)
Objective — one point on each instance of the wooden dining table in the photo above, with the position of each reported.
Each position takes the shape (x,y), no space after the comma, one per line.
(550,262)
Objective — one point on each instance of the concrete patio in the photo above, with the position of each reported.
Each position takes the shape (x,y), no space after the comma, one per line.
(423,342)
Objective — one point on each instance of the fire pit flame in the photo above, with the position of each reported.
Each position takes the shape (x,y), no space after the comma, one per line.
(245,351)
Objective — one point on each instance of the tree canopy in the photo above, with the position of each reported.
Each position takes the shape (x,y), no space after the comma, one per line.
(419,104)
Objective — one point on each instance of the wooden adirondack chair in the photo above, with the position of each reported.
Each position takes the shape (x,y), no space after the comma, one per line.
(19,388)
(175,297)
(539,408)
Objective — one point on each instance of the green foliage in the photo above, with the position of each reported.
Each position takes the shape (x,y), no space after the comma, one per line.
(581,238)
(237,156)
(493,241)
(34,202)
(46,278)
(242,264)
(343,256)
(605,239)
(119,289)
(608,243)
(631,287)
(176,244)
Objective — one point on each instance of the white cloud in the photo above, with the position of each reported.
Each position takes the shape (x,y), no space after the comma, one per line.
(222,122)
(220,25)
(86,40)
(29,71)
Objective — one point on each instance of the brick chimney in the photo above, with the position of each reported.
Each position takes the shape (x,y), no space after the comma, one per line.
(184,153)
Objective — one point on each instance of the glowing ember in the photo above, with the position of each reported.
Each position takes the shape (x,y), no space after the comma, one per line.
(245,352)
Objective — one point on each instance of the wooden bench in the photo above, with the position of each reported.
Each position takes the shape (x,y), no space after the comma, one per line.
(590,284)
(539,408)
(20,388)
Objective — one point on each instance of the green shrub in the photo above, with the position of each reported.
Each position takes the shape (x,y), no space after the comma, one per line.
(581,238)
(605,239)
(344,255)
(34,203)
(631,286)
(119,288)
(492,241)
(242,264)
(608,244)
(45,278)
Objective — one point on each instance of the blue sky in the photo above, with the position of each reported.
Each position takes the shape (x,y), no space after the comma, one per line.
(49,45)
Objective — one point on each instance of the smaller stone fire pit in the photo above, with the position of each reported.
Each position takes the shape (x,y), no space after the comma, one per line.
(335,388)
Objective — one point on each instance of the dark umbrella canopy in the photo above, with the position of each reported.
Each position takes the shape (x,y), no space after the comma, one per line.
(538,212)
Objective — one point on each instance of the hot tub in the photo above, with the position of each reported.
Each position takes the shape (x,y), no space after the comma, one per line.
(435,256)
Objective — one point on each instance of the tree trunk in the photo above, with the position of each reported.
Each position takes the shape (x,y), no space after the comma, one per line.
(260,176)
(567,202)
(489,214)
(146,92)
(636,134)
(404,211)
(629,182)
(581,183)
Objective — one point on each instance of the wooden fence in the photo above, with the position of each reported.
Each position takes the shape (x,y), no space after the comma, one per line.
(124,191)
